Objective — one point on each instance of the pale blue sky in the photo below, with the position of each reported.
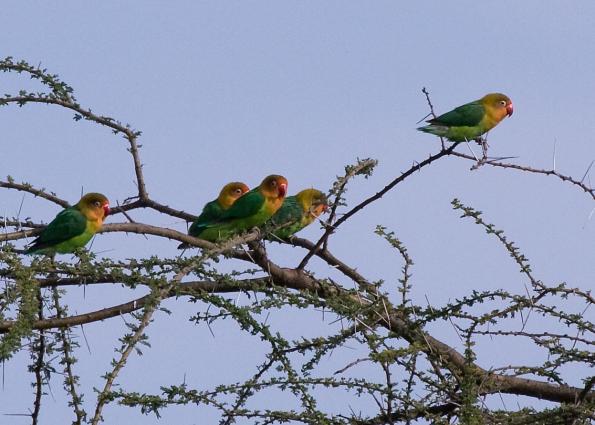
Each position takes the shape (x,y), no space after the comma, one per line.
(238,90)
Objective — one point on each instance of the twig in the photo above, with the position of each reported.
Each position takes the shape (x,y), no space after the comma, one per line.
(70,380)
(373,198)
(40,350)
(41,193)
(590,191)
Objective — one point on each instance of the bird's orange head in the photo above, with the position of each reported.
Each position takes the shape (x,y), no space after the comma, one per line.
(499,104)
(94,206)
(313,201)
(274,186)
(230,193)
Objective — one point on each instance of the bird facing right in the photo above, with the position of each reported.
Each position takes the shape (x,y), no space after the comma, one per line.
(471,120)
(249,210)
(297,212)
(73,227)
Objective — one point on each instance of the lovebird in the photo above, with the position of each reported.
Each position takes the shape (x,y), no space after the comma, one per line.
(297,212)
(250,210)
(213,210)
(471,120)
(73,227)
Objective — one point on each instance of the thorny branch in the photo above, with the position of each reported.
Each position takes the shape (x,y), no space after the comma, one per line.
(332,228)
(70,380)
(39,353)
(368,309)
(495,163)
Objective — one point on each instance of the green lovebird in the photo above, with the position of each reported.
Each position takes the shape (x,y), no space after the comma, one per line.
(250,210)
(297,212)
(73,227)
(212,211)
(472,120)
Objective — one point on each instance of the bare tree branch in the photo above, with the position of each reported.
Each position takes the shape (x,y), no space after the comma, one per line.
(494,163)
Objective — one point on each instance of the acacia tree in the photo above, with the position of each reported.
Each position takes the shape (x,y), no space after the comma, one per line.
(412,376)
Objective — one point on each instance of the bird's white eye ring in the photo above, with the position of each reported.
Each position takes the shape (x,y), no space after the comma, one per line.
(97,203)
(502,102)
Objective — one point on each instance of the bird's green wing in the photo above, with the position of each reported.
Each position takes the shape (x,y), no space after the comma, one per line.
(211,212)
(68,224)
(246,206)
(468,115)
(289,212)
(287,220)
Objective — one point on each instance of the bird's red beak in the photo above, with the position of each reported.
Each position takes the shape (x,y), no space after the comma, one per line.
(509,109)
(106,210)
(282,190)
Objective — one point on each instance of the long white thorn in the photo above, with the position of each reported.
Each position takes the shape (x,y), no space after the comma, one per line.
(471,150)
(587,172)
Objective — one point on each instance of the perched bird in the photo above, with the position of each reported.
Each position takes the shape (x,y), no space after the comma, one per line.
(73,227)
(250,210)
(297,212)
(213,210)
(472,120)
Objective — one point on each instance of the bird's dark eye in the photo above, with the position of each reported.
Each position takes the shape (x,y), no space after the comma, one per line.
(502,102)
(274,183)
(238,191)
(97,203)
